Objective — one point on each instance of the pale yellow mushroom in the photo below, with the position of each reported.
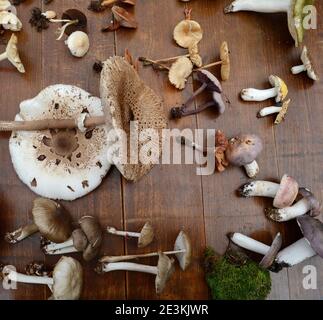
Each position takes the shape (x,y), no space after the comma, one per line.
(180,71)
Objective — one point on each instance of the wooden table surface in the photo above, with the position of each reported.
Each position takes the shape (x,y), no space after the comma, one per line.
(173,196)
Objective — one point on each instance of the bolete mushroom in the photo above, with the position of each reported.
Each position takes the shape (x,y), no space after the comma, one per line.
(66,282)
(12,54)
(61,164)
(78,43)
(279,91)
(284,193)
(123,18)
(9,21)
(145,236)
(182,251)
(308,204)
(163,270)
(180,70)
(243,151)
(86,239)
(281,109)
(306,66)
(293,8)
(49,219)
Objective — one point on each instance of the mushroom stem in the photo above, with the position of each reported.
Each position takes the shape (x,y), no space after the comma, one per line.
(265,6)
(171,58)
(110,259)
(148,62)
(259,189)
(268,111)
(195,94)
(19,277)
(55,246)
(248,243)
(3,56)
(21,233)
(60,20)
(123,233)
(69,249)
(252,169)
(129,266)
(35,125)
(61,30)
(285,214)
(252,94)
(182,140)
(209,65)
(298,69)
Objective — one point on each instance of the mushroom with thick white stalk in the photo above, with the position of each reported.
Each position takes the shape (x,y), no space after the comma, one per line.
(284,193)
(278,91)
(61,164)
(86,239)
(307,66)
(182,251)
(293,8)
(243,150)
(9,21)
(163,270)
(65,284)
(78,43)
(145,236)
(12,54)
(307,205)
(281,109)
(50,220)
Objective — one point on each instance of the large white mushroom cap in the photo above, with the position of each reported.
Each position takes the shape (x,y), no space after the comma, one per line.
(60,164)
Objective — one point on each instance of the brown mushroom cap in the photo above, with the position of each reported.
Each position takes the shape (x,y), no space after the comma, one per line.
(80,241)
(225,58)
(165,269)
(188,32)
(207,78)
(124,17)
(287,192)
(146,235)
(270,257)
(314,203)
(183,242)
(74,14)
(52,220)
(243,149)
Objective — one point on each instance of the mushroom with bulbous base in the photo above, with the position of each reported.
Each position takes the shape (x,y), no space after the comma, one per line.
(145,236)
(163,270)
(182,251)
(281,109)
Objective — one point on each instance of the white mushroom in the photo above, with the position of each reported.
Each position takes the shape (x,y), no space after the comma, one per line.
(10,21)
(78,43)
(5,5)
(60,164)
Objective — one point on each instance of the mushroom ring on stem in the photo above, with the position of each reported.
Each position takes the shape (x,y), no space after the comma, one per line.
(281,109)
(284,193)
(243,151)
(145,236)
(163,270)
(66,283)
(307,66)
(86,239)
(278,91)
(182,251)
(293,8)
(308,204)
(50,220)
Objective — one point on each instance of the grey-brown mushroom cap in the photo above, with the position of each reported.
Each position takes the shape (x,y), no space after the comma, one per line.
(147,235)
(308,63)
(68,279)
(183,242)
(312,230)
(287,192)
(52,220)
(165,269)
(270,257)
(210,80)
(314,203)
(80,241)
(244,149)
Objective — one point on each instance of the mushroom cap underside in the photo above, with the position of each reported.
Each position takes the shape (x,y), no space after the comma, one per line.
(283,111)
(179,72)
(60,164)
(187,32)
(281,87)
(146,235)
(308,63)
(183,242)
(165,269)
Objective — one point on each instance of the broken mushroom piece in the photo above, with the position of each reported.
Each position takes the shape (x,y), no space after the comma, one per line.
(308,204)
(61,164)
(10,21)
(180,70)
(279,91)
(306,66)
(293,8)
(78,43)
(65,284)
(281,109)
(122,18)
(163,270)
(243,151)
(284,193)
(86,239)
(49,219)
(182,251)
(145,236)
(12,54)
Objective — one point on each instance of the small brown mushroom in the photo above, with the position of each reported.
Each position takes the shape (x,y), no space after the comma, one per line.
(101,5)
(123,18)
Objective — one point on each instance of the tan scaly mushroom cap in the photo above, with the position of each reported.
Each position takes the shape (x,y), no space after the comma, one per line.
(183,242)
(68,279)
(60,164)
(282,113)
(146,235)
(126,98)
(180,71)
(9,21)
(225,58)
(12,53)
(52,220)
(187,33)
(165,269)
